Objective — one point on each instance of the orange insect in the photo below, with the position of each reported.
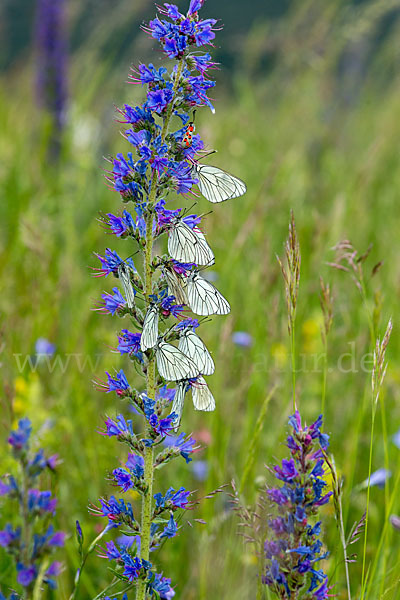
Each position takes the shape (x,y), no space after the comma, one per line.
(190,129)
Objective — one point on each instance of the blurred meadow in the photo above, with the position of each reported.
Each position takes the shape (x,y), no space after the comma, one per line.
(308,114)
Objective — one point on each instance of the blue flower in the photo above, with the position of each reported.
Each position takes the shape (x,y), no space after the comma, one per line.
(157,100)
(170,530)
(242,338)
(166,393)
(187,324)
(129,343)
(114,302)
(8,536)
(123,479)
(185,445)
(43,346)
(19,438)
(288,472)
(172,499)
(115,509)
(118,427)
(118,383)
(26,574)
(136,465)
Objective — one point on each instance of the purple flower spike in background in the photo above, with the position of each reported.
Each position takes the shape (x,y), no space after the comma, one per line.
(51,67)
(30,539)
(293,549)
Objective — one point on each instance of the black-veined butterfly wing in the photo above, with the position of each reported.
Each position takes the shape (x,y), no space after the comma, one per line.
(217,185)
(125,277)
(175,285)
(188,245)
(203,298)
(202,397)
(172,364)
(149,336)
(194,348)
(178,401)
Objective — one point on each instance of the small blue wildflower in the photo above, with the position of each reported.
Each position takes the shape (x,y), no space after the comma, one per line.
(118,426)
(114,302)
(171,529)
(200,470)
(44,347)
(118,383)
(19,438)
(136,465)
(242,338)
(129,342)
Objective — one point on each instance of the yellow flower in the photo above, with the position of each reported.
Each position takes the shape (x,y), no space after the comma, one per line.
(279,353)
(311,329)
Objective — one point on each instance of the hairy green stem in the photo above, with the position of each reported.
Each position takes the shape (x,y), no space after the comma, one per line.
(292,351)
(147,500)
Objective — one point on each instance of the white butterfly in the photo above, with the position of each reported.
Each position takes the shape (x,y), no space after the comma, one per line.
(217,185)
(188,245)
(201,395)
(175,285)
(125,277)
(172,364)
(194,348)
(178,401)
(149,336)
(204,298)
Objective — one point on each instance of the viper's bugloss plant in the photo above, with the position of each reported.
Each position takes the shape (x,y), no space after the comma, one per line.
(157,301)
(30,538)
(284,527)
(293,548)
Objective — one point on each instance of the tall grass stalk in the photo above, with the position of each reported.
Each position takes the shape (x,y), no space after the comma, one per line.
(291,276)
(378,375)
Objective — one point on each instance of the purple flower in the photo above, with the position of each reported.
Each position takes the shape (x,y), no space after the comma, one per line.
(114,302)
(51,79)
(194,6)
(200,470)
(157,100)
(129,342)
(8,536)
(277,496)
(116,509)
(58,539)
(187,324)
(288,472)
(184,444)
(136,465)
(4,488)
(26,574)
(171,529)
(242,338)
(379,478)
(109,262)
(44,347)
(118,383)
(118,427)
(123,479)
(19,438)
